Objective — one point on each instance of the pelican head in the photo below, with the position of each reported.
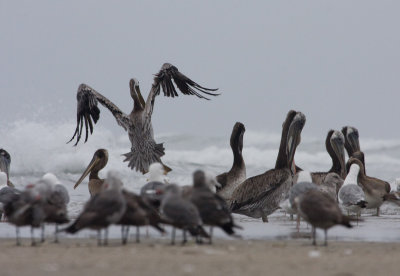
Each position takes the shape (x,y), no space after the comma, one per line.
(99,161)
(136,95)
(237,137)
(352,143)
(294,136)
(337,143)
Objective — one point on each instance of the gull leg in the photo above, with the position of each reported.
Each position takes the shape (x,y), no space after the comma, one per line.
(137,234)
(17,235)
(56,234)
(326,237)
(99,237)
(33,242)
(211,234)
(184,237)
(42,234)
(106,237)
(313,231)
(173,236)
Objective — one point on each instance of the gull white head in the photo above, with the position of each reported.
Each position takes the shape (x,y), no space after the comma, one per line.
(304,176)
(113,180)
(212,182)
(156,173)
(352,176)
(51,179)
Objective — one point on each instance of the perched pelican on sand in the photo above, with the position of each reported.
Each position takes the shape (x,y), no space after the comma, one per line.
(237,174)
(99,161)
(259,196)
(375,190)
(144,149)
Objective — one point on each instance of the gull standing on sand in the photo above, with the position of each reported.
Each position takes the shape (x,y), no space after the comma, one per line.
(103,209)
(351,196)
(237,174)
(181,213)
(212,208)
(139,212)
(144,149)
(321,211)
(156,183)
(261,195)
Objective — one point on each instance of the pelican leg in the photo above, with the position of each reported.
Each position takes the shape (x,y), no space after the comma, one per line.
(56,234)
(42,234)
(291,216)
(184,240)
(211,234)
(105,243)
(264,218)
(99,237)
(33,242)
(377,211)
(313,231)
(326,237)
(147,232)
(137,234)
(173,236)
(17,236)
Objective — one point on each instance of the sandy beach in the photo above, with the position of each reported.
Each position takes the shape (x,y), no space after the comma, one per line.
(238,257)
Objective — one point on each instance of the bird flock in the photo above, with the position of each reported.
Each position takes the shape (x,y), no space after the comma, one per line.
(323,199)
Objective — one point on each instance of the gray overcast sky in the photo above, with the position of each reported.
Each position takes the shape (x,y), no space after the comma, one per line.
(336,61)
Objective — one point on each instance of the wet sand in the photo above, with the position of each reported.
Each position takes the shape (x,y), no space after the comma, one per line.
(225,257)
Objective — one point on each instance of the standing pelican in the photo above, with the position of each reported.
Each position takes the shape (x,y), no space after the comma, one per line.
(144,149)
(99,161)
(259,196)
(237,174)
(375,190)
(5,162)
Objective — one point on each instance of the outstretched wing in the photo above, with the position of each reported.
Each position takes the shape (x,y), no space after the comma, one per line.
(163,79)
(88,112)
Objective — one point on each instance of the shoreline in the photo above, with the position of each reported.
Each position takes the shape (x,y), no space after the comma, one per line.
(76,256)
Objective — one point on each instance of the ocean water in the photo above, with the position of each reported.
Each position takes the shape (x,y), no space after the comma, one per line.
(37,148)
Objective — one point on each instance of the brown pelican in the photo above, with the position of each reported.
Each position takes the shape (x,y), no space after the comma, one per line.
(5,162)
(237,174)
(99,161)
(181,213)
(374,189)
(144,149)
(102,210)
(259,196)
(138,212)
(212,208)
(351,196)
(321,211)
(331,181)
(352,143)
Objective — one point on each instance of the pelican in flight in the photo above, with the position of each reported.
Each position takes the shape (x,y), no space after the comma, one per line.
(144,149)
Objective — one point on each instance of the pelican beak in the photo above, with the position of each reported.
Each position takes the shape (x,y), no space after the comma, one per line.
(94,162)
(294,136)
(337,143)
(141,100)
